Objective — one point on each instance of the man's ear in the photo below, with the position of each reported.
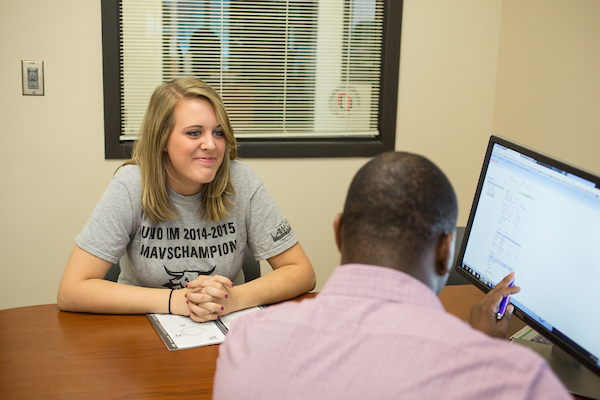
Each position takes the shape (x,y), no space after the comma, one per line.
(338,223)
(444,254)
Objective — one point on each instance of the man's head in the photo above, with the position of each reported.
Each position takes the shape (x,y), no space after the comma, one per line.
(400,212)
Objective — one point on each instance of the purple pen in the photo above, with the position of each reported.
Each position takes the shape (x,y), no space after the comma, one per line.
(504,303)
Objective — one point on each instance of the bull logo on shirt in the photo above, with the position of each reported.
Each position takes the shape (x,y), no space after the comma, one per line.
(180,279)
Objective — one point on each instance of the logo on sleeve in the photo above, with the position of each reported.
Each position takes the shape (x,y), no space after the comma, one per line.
(180,279)
(282,231)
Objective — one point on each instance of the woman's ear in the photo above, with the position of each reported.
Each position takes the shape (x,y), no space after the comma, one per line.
(338,223)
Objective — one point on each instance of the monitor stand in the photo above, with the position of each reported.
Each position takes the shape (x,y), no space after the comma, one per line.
(576,377)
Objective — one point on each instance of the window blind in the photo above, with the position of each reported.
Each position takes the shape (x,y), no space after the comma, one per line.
(285,69)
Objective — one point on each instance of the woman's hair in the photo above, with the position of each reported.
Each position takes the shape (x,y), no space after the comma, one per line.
(149,154)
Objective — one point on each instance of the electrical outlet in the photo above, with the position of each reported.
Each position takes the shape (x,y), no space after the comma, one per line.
(33,78)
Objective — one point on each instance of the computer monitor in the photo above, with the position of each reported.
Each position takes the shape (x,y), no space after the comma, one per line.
(540,217)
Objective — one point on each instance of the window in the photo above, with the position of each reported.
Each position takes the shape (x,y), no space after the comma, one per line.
(299,78)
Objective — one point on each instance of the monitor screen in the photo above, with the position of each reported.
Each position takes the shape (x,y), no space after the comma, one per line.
(539,217)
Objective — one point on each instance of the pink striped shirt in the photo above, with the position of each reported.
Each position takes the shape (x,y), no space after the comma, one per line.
(374,333)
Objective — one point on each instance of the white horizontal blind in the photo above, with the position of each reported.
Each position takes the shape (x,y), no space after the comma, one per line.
(284,68)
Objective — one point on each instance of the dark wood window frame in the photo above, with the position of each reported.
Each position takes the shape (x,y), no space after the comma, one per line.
(266,148)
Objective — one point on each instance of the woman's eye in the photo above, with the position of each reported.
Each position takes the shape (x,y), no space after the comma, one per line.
(194,133)
(218,133)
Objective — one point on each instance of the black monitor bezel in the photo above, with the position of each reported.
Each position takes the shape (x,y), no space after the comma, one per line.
(564,343)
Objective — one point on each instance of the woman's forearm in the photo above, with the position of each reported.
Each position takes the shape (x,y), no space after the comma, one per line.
(279,285)
(292,276)
(100,296)
(83,289)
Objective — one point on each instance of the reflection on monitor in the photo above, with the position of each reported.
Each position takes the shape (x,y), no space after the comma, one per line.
(540,217)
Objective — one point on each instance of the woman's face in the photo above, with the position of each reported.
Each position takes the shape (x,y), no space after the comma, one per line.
(195,147)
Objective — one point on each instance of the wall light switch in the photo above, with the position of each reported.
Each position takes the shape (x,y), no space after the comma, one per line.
(33,78)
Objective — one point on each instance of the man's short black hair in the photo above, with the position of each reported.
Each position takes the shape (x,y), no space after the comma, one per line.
(397,202)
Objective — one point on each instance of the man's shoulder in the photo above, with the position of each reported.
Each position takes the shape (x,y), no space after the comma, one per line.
(434,347)
(286,311)
(492,351)
(277,317)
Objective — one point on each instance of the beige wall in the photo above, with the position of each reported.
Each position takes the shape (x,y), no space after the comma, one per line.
(548,83)
(447,77)
(467,66)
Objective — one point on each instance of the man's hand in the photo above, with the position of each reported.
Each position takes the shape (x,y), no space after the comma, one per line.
(484,314)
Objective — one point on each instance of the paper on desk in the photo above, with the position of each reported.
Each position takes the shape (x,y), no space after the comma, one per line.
(179,332)
(530,334)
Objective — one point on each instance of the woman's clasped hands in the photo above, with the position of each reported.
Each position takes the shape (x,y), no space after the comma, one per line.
(209,297)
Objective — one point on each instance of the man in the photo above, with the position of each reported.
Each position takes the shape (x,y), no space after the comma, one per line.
(377,329)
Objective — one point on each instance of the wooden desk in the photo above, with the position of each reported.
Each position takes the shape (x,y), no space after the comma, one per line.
(46,353)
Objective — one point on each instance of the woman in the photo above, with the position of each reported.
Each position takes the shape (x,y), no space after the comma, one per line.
(179,216)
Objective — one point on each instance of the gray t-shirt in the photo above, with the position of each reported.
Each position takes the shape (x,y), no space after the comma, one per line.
(173,252)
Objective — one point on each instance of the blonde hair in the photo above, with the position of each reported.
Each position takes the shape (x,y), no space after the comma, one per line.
(149,155)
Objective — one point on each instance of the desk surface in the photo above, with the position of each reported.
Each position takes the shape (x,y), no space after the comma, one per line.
(46,353)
